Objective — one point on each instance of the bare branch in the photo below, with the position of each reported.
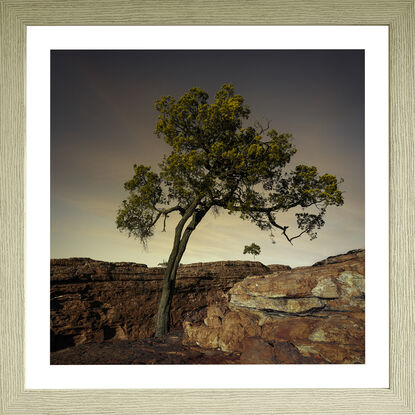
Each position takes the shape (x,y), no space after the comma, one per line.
(297,236)
(260,129)
(284,229)
(165,212)
(275,224)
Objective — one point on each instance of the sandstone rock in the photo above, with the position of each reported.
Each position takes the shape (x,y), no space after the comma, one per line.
(289,284)
(268,314)
(235,328)
(289,328)
(256,350)
(352,284)
(285,305)
(358,254)
(278,267)
(287,353)
(325,289)
(214,316)
(95,301)
(305,315)
(202,336)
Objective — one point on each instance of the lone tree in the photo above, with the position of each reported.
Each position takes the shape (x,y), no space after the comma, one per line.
(216,162)
(252,249)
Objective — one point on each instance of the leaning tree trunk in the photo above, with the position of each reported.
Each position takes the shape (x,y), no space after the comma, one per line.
(179,246)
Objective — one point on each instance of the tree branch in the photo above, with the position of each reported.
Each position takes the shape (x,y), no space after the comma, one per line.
(164,222)
(165,212)
(261,129)
(284,229)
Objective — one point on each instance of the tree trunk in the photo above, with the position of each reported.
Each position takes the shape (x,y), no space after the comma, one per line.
(169,281)
(163,313)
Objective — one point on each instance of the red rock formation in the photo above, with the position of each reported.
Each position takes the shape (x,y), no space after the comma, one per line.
(278,267)
(96,301)
(304,315)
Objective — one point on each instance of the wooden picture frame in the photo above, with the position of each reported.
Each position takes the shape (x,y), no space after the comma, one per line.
(398,15)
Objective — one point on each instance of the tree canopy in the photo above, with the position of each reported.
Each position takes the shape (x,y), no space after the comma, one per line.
(217,161)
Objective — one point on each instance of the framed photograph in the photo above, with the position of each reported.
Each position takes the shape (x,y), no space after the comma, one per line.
(105,292)
(350,43)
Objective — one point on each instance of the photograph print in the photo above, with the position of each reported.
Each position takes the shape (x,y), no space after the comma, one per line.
(207,207)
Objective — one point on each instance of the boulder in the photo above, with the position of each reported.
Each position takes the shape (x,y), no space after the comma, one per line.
(305,315)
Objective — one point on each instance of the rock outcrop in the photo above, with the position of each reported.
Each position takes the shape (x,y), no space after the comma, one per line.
(305,315)
(278,267)
(96,301)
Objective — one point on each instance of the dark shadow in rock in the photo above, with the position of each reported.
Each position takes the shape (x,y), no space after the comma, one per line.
(60,341)
(109,333)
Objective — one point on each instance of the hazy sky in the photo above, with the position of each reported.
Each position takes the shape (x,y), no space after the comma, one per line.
(103,120)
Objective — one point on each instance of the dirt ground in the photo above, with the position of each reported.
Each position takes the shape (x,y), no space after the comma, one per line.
(166,350)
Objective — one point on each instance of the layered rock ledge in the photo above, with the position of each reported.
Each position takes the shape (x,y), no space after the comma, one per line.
(310,314)
(97,301)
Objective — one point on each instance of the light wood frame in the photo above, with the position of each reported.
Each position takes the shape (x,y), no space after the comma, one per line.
(398,15)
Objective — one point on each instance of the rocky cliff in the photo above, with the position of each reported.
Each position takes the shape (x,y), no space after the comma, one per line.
(310,314)
(96,301)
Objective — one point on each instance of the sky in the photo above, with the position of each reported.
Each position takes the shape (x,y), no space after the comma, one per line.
(103,119)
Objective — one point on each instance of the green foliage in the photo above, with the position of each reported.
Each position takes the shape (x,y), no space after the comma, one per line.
(217,161)
(138,214)
(252,249)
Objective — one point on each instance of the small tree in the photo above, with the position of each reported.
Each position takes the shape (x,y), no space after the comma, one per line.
(217,163)
(252,249)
